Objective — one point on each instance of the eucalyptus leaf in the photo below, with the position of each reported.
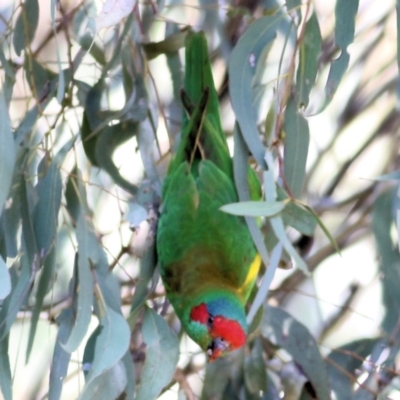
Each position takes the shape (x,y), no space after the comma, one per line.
(5,280)
(297,138)
(5,370)
(111,345)
(310,49)
(26,25)
(242,66)
(7,152)
(254,208)
(161,356)
(61,358)
(345,15)
(382,221)
(20,288)
(84,296)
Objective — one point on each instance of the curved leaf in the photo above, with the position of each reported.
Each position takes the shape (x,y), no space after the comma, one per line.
(345,14)
(161,356)
(242,67)
(111,345)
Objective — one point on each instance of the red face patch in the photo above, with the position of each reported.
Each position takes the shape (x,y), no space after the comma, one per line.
(229,330)
(199,314)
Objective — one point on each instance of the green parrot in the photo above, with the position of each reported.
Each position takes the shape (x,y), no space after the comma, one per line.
(208,261)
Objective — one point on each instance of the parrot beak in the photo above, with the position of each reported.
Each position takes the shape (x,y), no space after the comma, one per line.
(217,348)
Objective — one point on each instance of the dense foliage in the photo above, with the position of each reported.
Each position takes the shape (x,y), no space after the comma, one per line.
(90,113)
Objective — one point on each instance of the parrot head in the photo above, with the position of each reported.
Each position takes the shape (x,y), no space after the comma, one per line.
(219,326)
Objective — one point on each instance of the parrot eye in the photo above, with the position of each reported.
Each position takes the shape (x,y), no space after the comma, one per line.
(210,320)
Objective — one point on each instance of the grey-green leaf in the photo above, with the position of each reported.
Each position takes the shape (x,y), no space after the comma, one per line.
(161,356)
(310,50)
(45,217)
(21,282)
(111,345)
(281,328)
(254,208)
(5,370)
(26,25)
(242,67)
(84,294)
(382,222)
(61,358)
(345,14)
(7,152)
(297,138)
(5,280)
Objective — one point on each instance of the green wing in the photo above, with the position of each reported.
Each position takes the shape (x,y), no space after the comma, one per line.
(199,245)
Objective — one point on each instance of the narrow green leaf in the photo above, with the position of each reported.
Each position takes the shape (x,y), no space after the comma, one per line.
(21,282)
(84,293)
(130,373)
(161,356)
(254,208)
(45,216)
(45,283)
(10,220)
(72,196)
(382,222)
(26,25)
(5,280)
(9,79)
(297,138)
(323,227)
(61,358)
(345,14)
(147,266)
(110,346)
(281,328)
(28,197)
(310,50)
(242,66)
(7,152)
(91,120)
(398,47)
(45,220)
(5,370)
